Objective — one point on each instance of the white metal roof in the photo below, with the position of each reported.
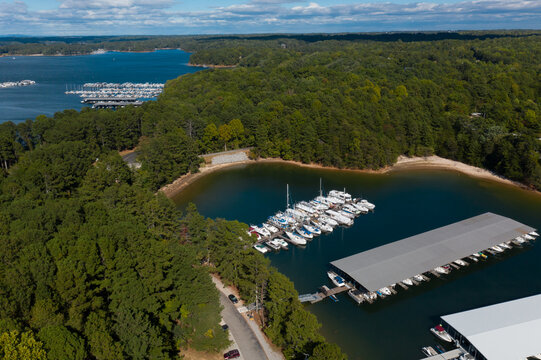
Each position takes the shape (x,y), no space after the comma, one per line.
(505,331)
(391,263)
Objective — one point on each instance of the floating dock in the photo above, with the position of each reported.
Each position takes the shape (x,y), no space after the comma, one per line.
(388,265)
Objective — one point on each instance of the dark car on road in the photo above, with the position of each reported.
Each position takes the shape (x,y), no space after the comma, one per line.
(233,298)
(232,354)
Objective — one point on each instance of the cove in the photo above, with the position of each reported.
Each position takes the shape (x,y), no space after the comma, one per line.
(407,202)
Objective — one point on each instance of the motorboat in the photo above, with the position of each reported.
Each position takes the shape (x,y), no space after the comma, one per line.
(497,249)
(385,291)
(280,222)
(447,267)
(272,244)
(341,219)
(473,258)
(483,256)
(429,351)
(476,255)
(260,230)
(304,206)
(419,277)
(356,295)
(519,240)
(460,262)
(352,209)
(290,220)
(305,233)
(313,229)
(296,214)
(367,204)
(282,243)
(340,195)
(323,200)
(528,237)
(329,221)
(441,270)
(361,208)
(272,229)
(318,205)
(321,225)
(504,246)
(261,248)
(534,234)
(407,282)
(336,279)
(347,214)
(335,200)
(296,239)
(440,332)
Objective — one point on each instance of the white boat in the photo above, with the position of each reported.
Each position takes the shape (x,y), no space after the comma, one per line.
(385,291)
(341,219)
(533,233)
(313,229)
(367,204)
(441,270)
(342,195)
(304,206)
(323,200)
(528,237)
(429,351)
(440,332)
(352,209)
(319,206)
(504,246)
(261,248)
(290,220)
(282,243)
(419,277)
(272,244)
(280,222)
(520,240)
(356,295)
(497,249)
(296,239)
(460,262)
(473,258)
(324,227)
(305,233)
(347,214)
(335,200)
(296,214)
(476,255)
(327,220)
(361,208)
(260,230)
(336,279)
(272,229)
(407,282)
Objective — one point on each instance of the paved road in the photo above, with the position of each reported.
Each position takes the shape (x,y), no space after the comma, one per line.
(249,346)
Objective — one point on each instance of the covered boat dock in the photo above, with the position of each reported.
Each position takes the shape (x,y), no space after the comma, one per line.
(389,264)
(509,330)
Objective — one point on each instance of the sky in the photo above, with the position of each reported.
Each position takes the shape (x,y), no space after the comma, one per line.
(163,17)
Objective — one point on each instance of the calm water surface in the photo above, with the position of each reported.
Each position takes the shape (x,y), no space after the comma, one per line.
(407,203)
(54,73)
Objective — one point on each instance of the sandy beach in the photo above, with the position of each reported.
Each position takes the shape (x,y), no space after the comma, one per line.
(402,163)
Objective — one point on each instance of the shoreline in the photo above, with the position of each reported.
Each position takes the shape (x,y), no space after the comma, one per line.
(212,66)
(403,163)
(94,53)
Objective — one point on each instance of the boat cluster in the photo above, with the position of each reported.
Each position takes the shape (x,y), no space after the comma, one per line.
(308,219)
(370,297)
(118,90)
(10,84)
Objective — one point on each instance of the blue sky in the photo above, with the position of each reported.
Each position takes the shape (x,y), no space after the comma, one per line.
(116,17)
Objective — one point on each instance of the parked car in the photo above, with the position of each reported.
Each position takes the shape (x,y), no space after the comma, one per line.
(232,354)
(233,298)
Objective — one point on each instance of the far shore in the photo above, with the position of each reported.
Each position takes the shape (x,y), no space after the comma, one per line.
(212,66)
(94,53)
(403,163)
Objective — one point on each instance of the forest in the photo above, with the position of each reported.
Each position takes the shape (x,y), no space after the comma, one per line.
(95,263)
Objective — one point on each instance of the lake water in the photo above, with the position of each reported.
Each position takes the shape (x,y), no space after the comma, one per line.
(407,203)
(54,73)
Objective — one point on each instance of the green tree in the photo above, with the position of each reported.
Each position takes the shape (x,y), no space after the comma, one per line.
(225,134)
(20,346)
(62,344)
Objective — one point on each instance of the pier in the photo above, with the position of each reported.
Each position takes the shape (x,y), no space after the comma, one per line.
(437,252)
(323,293)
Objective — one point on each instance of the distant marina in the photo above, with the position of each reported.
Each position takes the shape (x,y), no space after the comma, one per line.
(10,84)
(113,95)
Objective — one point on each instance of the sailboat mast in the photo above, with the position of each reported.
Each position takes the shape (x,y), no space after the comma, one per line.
(320,191)
(287,196)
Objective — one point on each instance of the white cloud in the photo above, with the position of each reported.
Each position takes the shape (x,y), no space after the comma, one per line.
(158,16)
